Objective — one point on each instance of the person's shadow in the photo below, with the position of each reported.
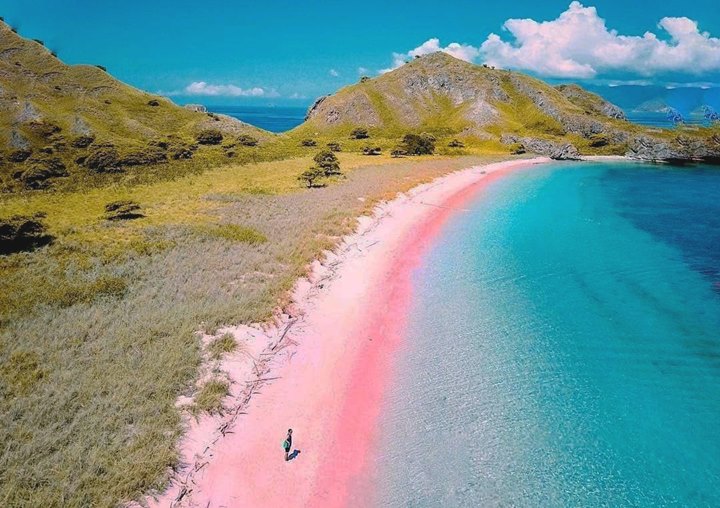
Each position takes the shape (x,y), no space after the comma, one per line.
(294,454)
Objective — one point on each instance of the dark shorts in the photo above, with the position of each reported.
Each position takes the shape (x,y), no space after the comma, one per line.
(287,450)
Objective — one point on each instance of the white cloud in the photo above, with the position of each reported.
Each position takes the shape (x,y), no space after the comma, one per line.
(578,44)
(206,89)
(334,73)
(362,71)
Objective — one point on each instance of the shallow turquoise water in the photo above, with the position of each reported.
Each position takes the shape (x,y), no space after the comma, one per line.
(563,347)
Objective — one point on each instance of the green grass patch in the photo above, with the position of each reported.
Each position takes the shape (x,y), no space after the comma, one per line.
(222,345)
(210,397)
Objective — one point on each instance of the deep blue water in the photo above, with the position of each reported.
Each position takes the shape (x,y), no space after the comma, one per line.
(273,119)
(563,346)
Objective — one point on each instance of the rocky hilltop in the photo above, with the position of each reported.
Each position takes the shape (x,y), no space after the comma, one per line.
(58,120)
(446,96)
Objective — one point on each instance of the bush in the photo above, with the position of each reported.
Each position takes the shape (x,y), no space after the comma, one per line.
(328,162)
(123,210)
(154,103)
(150,155)
(456,144)
(39,41)
(364,79)
(246,140)
(359,133)
(335,147)
(102,68)
(103,159)
(398,152)
(83,141)
(22,232)
(209,137)
(415,144)
(599,140)
(19,155)
(312,175)
(40,171)
(308,142)
(372,150)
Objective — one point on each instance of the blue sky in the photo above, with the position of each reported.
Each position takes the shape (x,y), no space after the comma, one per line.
(283,52)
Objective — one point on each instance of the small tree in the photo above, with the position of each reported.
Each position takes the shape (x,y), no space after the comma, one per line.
(328,162)
(415,144)
(311,175)
(359,133)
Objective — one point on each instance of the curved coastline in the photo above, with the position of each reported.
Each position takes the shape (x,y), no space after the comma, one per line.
(326,366)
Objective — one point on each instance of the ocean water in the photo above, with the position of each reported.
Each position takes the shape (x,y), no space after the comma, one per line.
(563,347)
(273,119)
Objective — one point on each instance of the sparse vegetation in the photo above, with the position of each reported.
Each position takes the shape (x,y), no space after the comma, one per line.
(222,345)
(209,398)
(456,144)
(20,233)
(308,142)
(334,146)
(123,210)
(247,140)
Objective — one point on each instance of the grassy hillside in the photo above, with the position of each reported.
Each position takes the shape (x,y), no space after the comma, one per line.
(60,122)
(482,106)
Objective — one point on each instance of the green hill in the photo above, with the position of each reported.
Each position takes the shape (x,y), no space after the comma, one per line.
(448,97)
(61,121)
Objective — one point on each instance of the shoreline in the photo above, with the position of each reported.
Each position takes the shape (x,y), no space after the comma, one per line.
(323,368)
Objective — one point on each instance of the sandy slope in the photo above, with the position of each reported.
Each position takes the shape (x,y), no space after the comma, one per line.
(323,370)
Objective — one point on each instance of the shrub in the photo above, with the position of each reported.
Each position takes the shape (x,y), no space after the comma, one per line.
(39,41)
(311,175)
(398,152)
(246,140)
(22,232)
(359,133)
(45,130)
(372,150)
(154,103)
(19,155)
(328,162)
(83,141)
(456,144)
(209,137)
(308,142)
(181,153)
(335,147)
(122,210)
(149,155)
(102,68)
(40,171)
(103,159)
(364,79)
(599,140)
(415,144)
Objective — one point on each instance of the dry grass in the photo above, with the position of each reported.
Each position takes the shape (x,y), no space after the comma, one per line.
(97,330)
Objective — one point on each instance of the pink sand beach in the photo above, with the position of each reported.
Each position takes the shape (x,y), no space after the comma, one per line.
(324,370)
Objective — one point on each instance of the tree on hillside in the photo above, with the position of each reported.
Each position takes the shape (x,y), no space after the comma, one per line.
(311,175)
(418,144)
(328,162)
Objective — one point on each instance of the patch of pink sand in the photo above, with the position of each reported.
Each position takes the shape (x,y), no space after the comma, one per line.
(331,386)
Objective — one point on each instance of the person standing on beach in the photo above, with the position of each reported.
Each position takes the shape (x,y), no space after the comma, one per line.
(287,444)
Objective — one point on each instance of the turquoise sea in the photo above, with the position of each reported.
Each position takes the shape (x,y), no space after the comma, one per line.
(563,346)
